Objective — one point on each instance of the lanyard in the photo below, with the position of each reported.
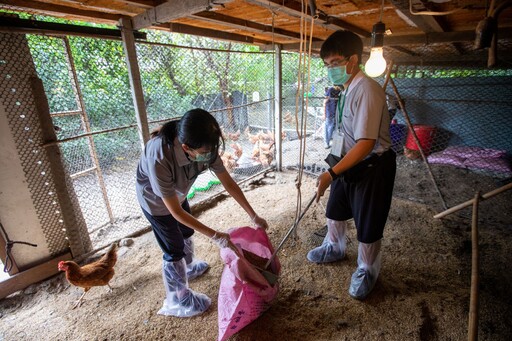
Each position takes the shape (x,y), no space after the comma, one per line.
(340,112)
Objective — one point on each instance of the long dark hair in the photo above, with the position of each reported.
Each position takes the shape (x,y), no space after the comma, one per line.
(197,128)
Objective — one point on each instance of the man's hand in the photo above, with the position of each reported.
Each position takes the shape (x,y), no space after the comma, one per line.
(324,180)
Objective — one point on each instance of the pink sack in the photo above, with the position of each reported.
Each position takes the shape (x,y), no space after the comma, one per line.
(244,292)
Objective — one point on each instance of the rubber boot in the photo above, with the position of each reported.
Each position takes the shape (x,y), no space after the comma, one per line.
(195,267)
(369,261)
(181,301)
(334,245)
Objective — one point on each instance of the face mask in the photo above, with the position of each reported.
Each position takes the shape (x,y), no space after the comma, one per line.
(202,157)
(338,75)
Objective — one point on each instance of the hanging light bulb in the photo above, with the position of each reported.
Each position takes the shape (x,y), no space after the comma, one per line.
(376,64)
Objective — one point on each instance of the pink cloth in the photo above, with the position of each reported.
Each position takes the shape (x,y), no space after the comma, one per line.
(446,159)
(244,292)
(474,158)
(470,152)
(499,165)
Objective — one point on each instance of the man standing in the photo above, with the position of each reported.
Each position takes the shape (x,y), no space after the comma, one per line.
(362,165)
(332,95)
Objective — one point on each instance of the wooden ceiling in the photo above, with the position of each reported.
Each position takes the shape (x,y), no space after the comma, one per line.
(417,33)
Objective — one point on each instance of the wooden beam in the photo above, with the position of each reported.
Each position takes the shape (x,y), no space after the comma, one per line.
(142,3)
(16,25)
(439,37)
(135,81)
(419,39)
(246,25)
(426,23)
(33,275)
(58,10)
(294,9)
(215,34)
(168,11)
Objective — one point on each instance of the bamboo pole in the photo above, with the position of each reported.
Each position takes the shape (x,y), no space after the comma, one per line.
(388,75)
(469,202)
(473,302)
(411,129)
(87,126)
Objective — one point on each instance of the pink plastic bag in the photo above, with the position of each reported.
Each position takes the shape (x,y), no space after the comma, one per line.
(244,292)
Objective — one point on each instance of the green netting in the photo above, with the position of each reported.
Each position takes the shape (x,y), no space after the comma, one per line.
(195,189)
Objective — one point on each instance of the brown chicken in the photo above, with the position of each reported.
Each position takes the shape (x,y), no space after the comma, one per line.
(95,274)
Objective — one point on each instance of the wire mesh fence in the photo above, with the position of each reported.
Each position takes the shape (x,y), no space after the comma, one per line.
(86,82)
(461,116)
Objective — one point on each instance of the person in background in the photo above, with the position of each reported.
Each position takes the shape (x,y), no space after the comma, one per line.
(332,95)
(362,165)
(172,160)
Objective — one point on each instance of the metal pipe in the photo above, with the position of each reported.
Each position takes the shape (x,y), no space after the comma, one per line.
(290,231)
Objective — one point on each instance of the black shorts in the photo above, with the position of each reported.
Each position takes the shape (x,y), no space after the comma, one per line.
(364,193)
(170,234)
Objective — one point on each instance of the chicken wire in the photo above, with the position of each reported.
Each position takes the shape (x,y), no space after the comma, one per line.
(87,85)
(89,92)
(461,116)
(239,97)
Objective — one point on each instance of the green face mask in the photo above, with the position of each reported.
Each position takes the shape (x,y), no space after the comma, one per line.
(202,157)
(338,75)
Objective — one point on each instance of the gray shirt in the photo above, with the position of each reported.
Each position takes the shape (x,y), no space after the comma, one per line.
(165,171)
(365,114)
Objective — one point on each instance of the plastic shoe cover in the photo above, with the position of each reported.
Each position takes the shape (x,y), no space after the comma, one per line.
(181,301)
(195,267)
(334,244)
(368,269)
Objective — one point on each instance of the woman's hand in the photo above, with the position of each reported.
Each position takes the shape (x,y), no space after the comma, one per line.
(222,240)
(324,181)
(260,222)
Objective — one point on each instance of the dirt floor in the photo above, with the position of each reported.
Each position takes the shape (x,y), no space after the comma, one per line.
(423,292)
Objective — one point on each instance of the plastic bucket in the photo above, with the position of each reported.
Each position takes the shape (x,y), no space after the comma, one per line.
(425,135)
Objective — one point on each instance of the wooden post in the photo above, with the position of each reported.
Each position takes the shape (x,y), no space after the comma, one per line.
(135,82)
(469,202)
(74,222)
(87,126)
(278,107)
(473,302)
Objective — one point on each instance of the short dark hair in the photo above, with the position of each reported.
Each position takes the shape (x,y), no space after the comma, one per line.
(343,43)
(197,128)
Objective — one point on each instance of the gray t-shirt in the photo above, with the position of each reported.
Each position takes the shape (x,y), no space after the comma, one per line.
(365,115)
(165,171)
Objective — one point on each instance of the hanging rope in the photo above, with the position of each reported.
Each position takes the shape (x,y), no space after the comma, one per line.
(304,61)
(8,249)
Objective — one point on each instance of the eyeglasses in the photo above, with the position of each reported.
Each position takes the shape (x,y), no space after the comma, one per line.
(337,62)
